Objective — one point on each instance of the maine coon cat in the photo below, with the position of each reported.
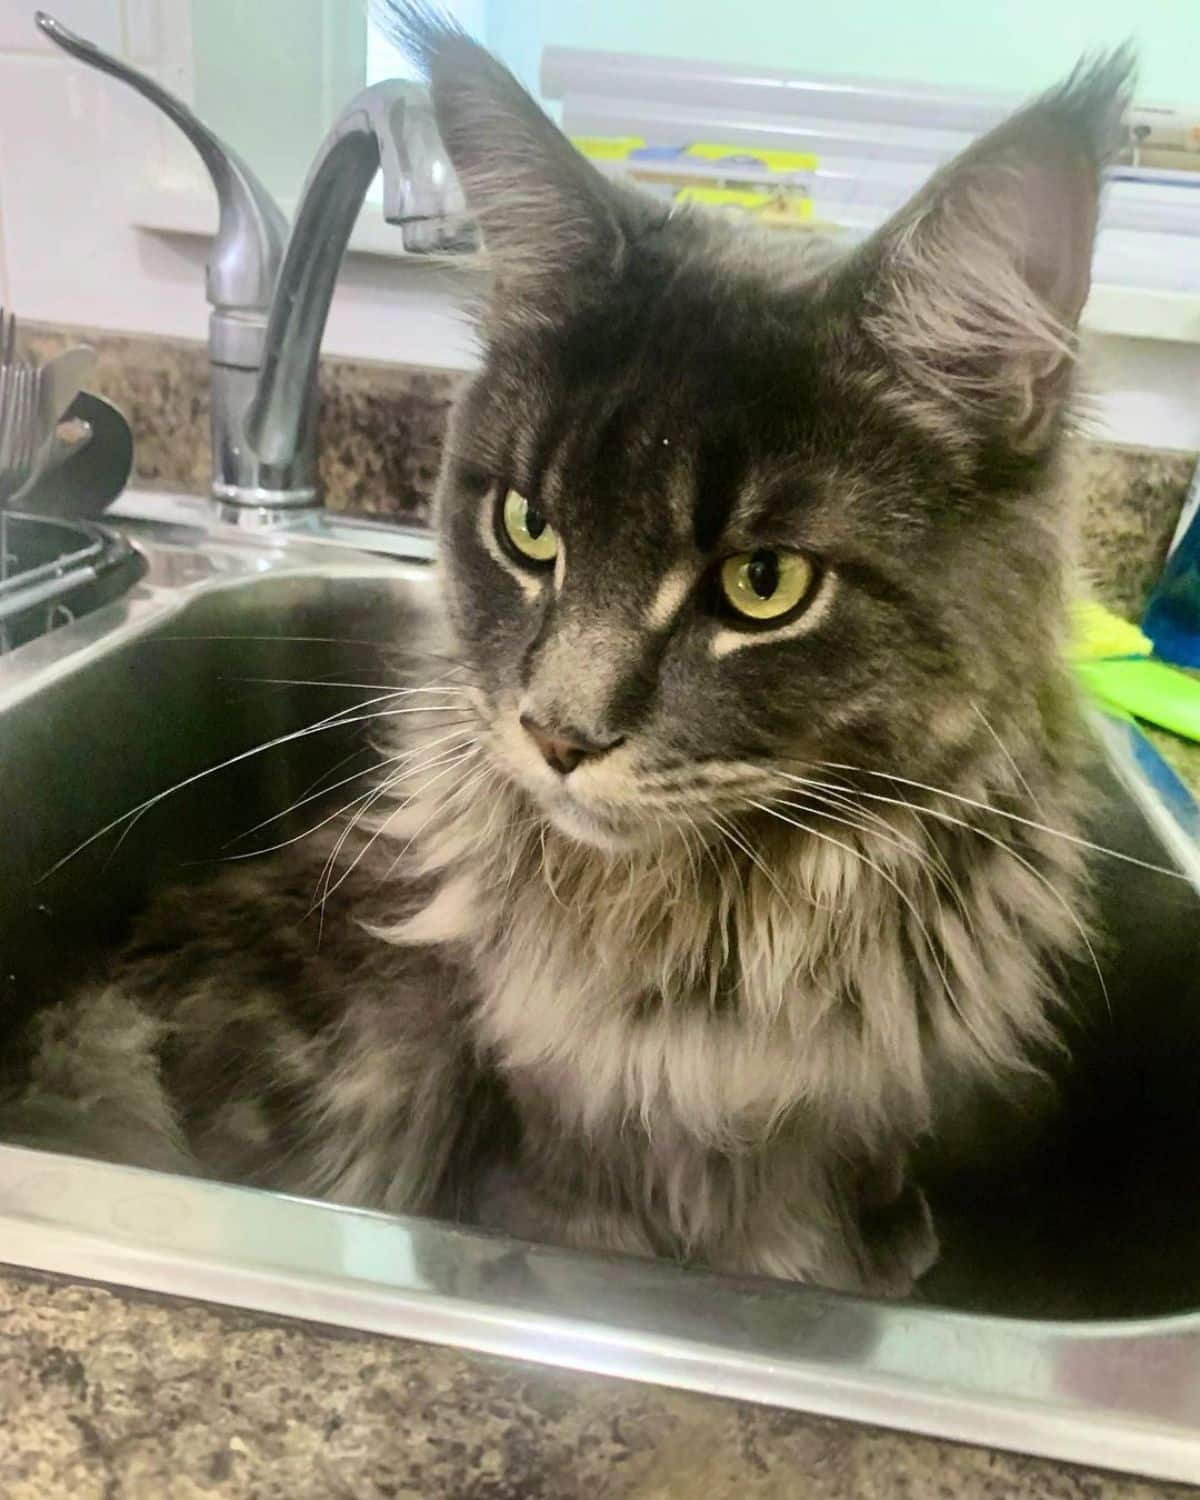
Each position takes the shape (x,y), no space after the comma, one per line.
(740,835)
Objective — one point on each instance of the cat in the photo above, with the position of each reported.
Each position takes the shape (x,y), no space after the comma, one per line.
(742,836)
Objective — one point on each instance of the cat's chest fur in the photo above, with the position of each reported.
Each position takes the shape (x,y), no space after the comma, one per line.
(696,992)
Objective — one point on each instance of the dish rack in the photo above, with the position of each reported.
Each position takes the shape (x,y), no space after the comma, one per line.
(57,571)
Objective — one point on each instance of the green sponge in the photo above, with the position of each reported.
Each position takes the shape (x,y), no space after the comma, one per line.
(1113,661)
(1148,690)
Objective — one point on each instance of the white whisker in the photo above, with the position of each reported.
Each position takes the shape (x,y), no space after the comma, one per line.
(1008,756)
(456,758)
(371,792)
(446,800)
(930,858)
(998,812)
(883,874)
(389,688)
(895,841)
(1021,859)
(738,842)
(398,763)
(343,718)
(547,878)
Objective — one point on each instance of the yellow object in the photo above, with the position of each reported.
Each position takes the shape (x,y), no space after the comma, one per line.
(769,158)
(774,159)
(1115,662)
(766,206)
(1097,633)
(607,148)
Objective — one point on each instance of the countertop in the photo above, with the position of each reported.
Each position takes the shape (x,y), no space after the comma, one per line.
(118,1397)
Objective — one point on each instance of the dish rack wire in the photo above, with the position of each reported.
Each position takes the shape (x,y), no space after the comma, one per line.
(57,570)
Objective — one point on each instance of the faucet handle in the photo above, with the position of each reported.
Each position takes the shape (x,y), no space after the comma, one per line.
(252,231)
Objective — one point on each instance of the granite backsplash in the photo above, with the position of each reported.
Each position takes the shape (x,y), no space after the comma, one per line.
(382,428)
(381,424)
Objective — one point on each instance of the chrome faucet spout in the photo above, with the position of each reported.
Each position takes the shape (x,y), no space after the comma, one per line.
(270,292)
(366,136)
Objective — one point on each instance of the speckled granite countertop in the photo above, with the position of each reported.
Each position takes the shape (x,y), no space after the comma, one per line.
(111,1396)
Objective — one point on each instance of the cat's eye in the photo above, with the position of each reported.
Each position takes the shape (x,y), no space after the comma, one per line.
(526,530)
(767,585)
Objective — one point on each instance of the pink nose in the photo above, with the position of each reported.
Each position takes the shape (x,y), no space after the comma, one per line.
(562,752)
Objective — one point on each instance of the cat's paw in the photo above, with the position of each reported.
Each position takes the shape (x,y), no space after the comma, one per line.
(896,1241)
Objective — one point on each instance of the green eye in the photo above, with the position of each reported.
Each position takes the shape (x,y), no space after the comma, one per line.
(528,530)
(767,584)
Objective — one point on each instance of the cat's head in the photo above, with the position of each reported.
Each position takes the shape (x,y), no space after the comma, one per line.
(717,507)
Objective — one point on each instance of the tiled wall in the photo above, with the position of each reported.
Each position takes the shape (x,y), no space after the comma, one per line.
(77,151)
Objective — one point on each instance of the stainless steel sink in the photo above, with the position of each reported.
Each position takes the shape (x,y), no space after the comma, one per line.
(1060,1320)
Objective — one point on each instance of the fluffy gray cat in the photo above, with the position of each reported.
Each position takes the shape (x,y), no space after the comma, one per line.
(734,846)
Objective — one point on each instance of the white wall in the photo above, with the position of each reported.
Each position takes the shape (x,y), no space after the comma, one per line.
(77,149)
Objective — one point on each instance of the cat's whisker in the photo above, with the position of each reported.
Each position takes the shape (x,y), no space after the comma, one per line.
(692,828)
(1026,863)
(862,825)
(826,796)
(343,718)
(456,758)
(1009,757)
(322,682)
(397,762)
(445,801)
(321,893)
(398,653)
(998,812)
(306,834)
(324,779)
(136,816)
(850,798)
(736,839)
(930,858)
(547,877)
(427,708)
(668,874)
(442,763)
(300,640)
(448,717)
(906,899)
(305,799)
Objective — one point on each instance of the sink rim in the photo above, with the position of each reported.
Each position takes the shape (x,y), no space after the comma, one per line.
(968,1377)
(162,527)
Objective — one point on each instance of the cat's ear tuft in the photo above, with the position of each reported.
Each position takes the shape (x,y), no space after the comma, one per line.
(974,290)
(547,216)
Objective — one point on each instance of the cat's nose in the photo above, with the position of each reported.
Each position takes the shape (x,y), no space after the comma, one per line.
(563,750)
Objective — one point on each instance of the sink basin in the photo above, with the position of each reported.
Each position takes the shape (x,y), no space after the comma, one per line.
(1061,1319)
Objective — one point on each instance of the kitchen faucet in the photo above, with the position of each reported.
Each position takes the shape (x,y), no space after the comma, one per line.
(270,290)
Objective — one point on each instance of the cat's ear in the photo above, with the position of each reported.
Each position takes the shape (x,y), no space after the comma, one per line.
(548,217)
(974,290)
